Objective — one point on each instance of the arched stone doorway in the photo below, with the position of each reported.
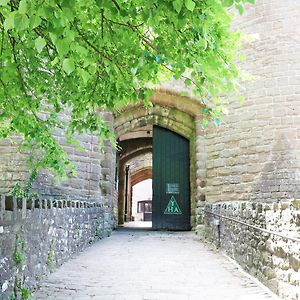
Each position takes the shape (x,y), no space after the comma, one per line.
(141,192)
(134,127)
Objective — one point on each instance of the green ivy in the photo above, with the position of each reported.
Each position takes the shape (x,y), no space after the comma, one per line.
(19,254)
(20,292)
(24,193)
(98,229)
(13,297)
(25,293)
(83,57)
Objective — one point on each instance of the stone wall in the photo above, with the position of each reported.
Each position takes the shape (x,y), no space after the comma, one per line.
(254,154)
(140,162)
(13,168)
(95,170)
(271,254)
(36,237)
(95,166)
(249,166)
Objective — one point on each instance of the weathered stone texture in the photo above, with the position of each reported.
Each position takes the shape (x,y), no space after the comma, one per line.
(140,162)
(252,161)
(86,183)
(254,155)
(164,116)
(57,227)
(36,241)
(13,166)
(273,259)
(94,180)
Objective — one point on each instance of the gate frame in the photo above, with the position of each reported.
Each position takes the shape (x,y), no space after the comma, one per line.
(175,113)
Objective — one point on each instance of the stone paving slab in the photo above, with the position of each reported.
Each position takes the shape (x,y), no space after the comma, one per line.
(150,265)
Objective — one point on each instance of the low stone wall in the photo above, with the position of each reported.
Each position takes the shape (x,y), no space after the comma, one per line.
(37,236)
(264,238)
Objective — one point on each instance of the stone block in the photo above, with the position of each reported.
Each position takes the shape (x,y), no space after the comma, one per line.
(280,252)
(294,262)
(295,279)
(296,203)
(269,273)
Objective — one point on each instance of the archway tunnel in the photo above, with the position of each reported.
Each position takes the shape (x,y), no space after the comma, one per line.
(135,128)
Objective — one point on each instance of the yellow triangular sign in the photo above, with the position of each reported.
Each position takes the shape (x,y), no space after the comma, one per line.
(172,207)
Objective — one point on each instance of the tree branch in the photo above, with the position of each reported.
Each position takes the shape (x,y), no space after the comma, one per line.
(125,24)
(12,43)
(91,45)
(116,4)
(102,23)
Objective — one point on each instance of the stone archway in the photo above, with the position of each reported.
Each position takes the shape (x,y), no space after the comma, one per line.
(178,114)
(137,175)
(141,175)
(131,150)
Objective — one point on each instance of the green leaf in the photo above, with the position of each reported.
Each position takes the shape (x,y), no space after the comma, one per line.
(228,3)
(84,75)
(79,49)
(251,1)
(190,4)
(54,61)
(39,43)
(204,124)
(177,74)
(21,22)
(68,65)
(35,21)
(68,14)
(23,7)
(3,2)
(9,22)
(100,3)
(108,68)
(177,4)
(62,46)
(53,37)
(240,8)
(187,81)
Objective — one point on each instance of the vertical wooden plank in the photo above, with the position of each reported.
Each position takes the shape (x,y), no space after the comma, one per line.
(171,177)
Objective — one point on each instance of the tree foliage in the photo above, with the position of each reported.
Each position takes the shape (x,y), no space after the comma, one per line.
(84,56)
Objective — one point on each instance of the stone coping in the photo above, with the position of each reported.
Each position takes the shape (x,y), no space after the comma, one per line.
(13,205)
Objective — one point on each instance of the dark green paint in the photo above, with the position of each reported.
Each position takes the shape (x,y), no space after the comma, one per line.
(171,172)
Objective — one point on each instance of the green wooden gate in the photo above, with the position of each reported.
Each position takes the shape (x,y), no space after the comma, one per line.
(171,181)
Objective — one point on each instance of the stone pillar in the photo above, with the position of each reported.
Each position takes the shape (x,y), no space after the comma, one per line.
(201,169)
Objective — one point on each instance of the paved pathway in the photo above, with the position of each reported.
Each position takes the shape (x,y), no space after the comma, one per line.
(135,265)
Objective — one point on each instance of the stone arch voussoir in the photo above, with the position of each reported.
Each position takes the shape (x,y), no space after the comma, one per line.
(168,117)
(141,175)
